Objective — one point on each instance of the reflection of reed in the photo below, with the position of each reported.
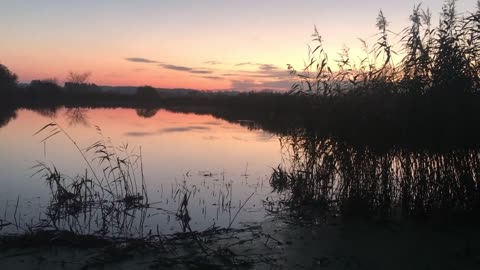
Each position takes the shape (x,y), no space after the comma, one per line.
(357,180)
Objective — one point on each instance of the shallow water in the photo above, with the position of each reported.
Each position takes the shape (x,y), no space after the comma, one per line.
(218,161)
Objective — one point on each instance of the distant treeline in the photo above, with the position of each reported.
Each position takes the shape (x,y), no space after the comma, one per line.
(431,98)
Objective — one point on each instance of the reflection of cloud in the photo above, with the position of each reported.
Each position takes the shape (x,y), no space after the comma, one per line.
(239,139)
(166,130)
(210,138)
(212,123)
(183,129)
(138,134)
(140,60)
(264,136)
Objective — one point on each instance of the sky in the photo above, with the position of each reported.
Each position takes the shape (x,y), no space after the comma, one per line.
(207,44)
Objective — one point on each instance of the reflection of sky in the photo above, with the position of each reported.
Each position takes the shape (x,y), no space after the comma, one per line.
(179,147)
(209,44)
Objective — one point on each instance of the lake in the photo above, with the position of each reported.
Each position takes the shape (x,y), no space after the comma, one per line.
(218,161)
(298,195)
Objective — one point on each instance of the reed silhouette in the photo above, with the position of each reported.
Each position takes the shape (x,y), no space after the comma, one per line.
(435,61)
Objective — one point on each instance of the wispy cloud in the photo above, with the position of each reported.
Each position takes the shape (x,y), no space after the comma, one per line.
(246,64)
(213,77)
(267,67)
(213,63)
(141,60)
(261,66)
(248,85)
(186,69)
(201,71)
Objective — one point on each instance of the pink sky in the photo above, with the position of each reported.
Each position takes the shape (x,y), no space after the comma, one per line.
(242,45)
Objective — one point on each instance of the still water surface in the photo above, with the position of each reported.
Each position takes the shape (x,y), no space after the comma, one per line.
(219,161)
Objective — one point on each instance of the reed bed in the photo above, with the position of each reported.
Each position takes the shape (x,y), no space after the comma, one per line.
(441,60)
(109,202)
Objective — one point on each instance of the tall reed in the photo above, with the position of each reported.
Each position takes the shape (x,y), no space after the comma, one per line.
(441,60)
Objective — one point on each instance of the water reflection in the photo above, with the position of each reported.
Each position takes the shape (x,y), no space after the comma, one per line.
(6,115)
(50,112)
(362,181)
(147,112)
(77,116)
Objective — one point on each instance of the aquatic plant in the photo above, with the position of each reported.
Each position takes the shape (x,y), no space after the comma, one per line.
(107,202)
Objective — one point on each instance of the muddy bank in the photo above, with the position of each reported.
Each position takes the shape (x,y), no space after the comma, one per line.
(331,243)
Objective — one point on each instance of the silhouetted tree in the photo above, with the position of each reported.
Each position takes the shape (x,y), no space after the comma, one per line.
(146,92)
(78,78)
(8,79)
(47,88)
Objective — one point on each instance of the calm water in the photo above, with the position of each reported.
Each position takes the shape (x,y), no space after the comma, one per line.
(219,161)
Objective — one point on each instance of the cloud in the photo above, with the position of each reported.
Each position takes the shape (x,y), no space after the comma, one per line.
(261,66)
(174,67)
(213,77)
(115,75)
(201,71)
(140,60)
(267,67)
(213,63)
(183,129)
(186,69)
(246,64)
(248,85)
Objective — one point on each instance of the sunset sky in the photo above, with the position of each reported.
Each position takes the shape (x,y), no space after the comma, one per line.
(209,44)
